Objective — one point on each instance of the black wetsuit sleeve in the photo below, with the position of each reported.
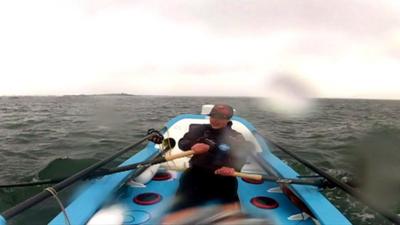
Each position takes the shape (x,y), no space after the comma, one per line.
(191,137)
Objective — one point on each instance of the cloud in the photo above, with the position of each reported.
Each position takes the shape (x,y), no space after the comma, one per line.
(158,47)
(261,17)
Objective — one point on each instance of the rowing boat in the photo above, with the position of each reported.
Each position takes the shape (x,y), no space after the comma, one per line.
(121,199)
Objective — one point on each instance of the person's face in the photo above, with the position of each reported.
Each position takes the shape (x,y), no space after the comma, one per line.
(218,123)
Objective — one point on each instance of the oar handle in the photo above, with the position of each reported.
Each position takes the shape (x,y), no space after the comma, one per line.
(248,176)
(179,155)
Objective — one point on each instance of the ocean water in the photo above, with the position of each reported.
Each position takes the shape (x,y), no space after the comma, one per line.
(44,137)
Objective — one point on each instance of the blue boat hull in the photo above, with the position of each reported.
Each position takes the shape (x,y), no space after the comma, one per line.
(159,194)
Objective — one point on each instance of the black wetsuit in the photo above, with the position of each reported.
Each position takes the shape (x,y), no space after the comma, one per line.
(199,184)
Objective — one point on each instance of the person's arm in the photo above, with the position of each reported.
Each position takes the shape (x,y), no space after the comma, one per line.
(191,137)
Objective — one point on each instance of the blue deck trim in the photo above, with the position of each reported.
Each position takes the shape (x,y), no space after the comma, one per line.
(197,116)
(322,208)
(245,123)
(2,220)
(172,121)
(97,192)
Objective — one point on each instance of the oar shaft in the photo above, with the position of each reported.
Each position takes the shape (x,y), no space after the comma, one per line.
(26,184)
(276,179)
(65,183)
(147,163)
(141,165)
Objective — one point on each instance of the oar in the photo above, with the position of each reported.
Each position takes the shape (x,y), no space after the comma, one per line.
(44,194)
(167,144)
(34,183)
(385,213)
(65,183)
(140,165)
(260,177)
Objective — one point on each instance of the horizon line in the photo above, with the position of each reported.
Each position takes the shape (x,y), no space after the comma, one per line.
(199,96)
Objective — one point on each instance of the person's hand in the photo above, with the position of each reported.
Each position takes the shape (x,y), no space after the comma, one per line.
(225,171)
(200,148)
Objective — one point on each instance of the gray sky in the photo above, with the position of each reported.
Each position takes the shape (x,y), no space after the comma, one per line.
(341,48)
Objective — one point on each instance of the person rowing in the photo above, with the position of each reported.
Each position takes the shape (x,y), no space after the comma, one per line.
(218,150)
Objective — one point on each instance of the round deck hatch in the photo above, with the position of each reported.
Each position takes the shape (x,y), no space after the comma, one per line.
(162,175)
(252,181)
(264,202)
(134,217)
(148,198)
